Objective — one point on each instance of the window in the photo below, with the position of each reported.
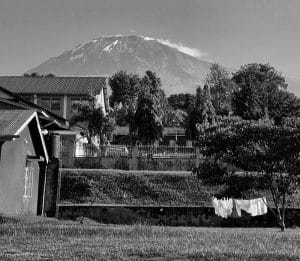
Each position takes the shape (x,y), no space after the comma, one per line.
(55,104)
(77,102)
(28,181)
(52,104)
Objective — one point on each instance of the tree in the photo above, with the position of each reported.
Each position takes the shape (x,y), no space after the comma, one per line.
(284,105)
(202,113)
(221,89)
(150,109)
(182,101)
(125,91)
(271,151)
(148,119)
(256,86)
(96,122)
(125,87)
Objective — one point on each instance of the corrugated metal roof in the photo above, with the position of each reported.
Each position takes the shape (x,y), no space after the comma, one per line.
(12,120)
(53,85)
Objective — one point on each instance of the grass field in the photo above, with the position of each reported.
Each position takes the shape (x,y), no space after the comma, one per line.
(57,240)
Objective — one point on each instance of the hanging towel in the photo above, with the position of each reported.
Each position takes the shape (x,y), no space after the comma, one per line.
(255,207)
(258,207)
(242,204)
(222,207)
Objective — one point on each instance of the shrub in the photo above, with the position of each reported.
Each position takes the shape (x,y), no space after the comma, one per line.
(211,173)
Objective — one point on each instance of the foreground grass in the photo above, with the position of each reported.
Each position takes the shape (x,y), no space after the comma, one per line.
(55,240)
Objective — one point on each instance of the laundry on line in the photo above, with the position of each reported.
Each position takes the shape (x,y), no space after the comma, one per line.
(225,207)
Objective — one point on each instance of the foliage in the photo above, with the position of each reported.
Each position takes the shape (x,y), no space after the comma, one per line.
(202,113)
(125,87)
(221,89)
(148,119)
(150,109)
(261,147)
(174,118)
(211,173)
(284,105)
(257,84)
(182,101)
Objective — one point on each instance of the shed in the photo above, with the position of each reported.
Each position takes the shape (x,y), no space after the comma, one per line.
(23,160)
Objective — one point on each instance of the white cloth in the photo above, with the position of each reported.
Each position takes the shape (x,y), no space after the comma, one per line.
(255,207)
(222,207)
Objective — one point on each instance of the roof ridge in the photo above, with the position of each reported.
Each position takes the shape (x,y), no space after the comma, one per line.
(84,85)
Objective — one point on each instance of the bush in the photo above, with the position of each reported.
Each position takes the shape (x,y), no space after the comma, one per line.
(211,173)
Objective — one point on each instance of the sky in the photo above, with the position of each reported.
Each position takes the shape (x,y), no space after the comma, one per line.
(229,32)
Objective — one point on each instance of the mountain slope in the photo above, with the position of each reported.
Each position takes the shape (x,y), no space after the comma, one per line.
(106,55)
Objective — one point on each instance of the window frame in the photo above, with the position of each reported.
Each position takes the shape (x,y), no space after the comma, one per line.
(51,100)
(29,173)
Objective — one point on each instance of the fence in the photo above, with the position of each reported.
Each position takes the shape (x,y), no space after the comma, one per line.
(166,151)
(141,151)
(100,151)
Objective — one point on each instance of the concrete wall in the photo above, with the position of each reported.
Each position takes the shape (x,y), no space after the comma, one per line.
(172,216)
(12,175)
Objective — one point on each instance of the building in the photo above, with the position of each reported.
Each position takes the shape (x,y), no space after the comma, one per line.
(50,124)
(23,160)
(60,95)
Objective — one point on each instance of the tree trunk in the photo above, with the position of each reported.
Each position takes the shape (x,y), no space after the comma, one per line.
(280,218)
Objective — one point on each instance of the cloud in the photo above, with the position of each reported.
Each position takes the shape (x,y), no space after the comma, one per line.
(185,49)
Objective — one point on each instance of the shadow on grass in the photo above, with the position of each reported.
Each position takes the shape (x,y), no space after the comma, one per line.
(209,256)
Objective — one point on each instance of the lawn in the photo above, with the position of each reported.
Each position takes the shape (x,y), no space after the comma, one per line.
(70,240)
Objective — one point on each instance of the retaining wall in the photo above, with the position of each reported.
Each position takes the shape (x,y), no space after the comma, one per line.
(171,216)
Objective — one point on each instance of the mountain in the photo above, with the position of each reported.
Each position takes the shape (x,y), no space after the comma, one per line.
(106,55)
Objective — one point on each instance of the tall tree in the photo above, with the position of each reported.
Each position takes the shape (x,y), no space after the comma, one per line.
(150,109)
(126,88)
(221,89)
(257,84)
(202,113)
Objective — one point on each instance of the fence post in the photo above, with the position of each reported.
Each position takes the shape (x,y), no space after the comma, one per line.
(198,156)
(134,158)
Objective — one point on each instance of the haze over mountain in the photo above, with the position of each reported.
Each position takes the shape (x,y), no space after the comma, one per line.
(106,55)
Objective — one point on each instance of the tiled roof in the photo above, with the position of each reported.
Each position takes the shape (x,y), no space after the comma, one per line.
(53,85)
(12,120)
